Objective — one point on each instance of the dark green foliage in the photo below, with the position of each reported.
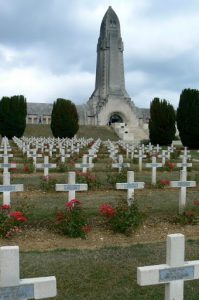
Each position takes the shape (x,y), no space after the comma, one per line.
(188,118)
(64,119)
(13,113)
(162,122)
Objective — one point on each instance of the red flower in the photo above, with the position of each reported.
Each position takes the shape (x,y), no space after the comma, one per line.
(86,229)
(72,203)
(5,206)
(107,210)
(21,219)
(18,216)
(196,203)
(164,182)
(189,214)
(170,165)
(26,168)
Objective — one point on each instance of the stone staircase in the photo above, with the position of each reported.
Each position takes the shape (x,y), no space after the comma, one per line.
(130,134)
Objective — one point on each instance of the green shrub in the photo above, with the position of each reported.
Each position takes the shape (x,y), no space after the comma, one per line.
(13,112)
(10,222)
(64,119)
(122,218)
(48,183)
(188,118)
(72,221)
(162,122)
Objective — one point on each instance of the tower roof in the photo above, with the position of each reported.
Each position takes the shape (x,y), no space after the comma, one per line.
(110,22)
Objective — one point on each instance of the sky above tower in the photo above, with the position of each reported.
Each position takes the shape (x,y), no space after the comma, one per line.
(48,48)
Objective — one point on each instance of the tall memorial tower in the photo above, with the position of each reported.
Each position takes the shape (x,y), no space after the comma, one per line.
(110,101)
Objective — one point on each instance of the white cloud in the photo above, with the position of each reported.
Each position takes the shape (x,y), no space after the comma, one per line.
(39,86)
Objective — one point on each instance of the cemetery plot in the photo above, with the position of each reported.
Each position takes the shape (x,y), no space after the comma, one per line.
(157,204)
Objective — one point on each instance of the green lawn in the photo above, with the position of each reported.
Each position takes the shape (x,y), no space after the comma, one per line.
(107,273)
(86,131)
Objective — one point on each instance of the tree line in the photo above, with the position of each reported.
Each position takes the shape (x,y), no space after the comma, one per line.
(65,121)
(164,119)
(13,113)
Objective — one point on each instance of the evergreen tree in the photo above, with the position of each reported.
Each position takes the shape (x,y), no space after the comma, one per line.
(188,118)
(13,112)
(64,119)
(162,122)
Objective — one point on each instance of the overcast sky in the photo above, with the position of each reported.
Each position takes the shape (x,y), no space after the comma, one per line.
(48,48)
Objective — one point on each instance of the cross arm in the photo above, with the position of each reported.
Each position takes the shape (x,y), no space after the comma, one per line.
(164,273)
(44,287)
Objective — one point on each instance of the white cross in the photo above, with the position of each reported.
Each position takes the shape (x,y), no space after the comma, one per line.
(5,157)
(185,154)
(84,165)
(71,187)
(46,165)
(120,164)
(140,156)
(63,155)
(7,166)
(183,184)
(174,272)
(34,156)
(157,148)
(130,186)
(7,188)
(164,155)
(154,165)
(14,288)
(184,165)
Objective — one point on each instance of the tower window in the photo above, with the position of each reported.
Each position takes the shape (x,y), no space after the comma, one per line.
(112,23)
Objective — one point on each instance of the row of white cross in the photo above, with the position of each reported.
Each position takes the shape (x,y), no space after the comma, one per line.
(72,186)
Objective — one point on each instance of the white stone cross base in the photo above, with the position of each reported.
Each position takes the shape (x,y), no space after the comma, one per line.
(174,272)
(12,287)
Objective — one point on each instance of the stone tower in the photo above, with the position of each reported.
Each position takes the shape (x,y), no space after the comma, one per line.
(110,101)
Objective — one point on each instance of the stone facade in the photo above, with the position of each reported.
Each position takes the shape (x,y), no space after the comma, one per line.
(39,113)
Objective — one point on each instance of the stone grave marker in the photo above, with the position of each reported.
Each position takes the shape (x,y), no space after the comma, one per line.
(46,166)
(164,156)
(120,165)
(6,188)
(84,165)
(14,288)
(34,156)
(154,165)
(140,156)
(130,186)
(174,272)
(72,187)
(183,184)
(184,164)
(7,166)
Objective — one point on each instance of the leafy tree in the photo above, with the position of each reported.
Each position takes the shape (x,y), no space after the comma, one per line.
(162,122)
(188,118)
(13,112)
(64,119)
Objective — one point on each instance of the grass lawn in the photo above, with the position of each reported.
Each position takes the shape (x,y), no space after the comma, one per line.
(107,273)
